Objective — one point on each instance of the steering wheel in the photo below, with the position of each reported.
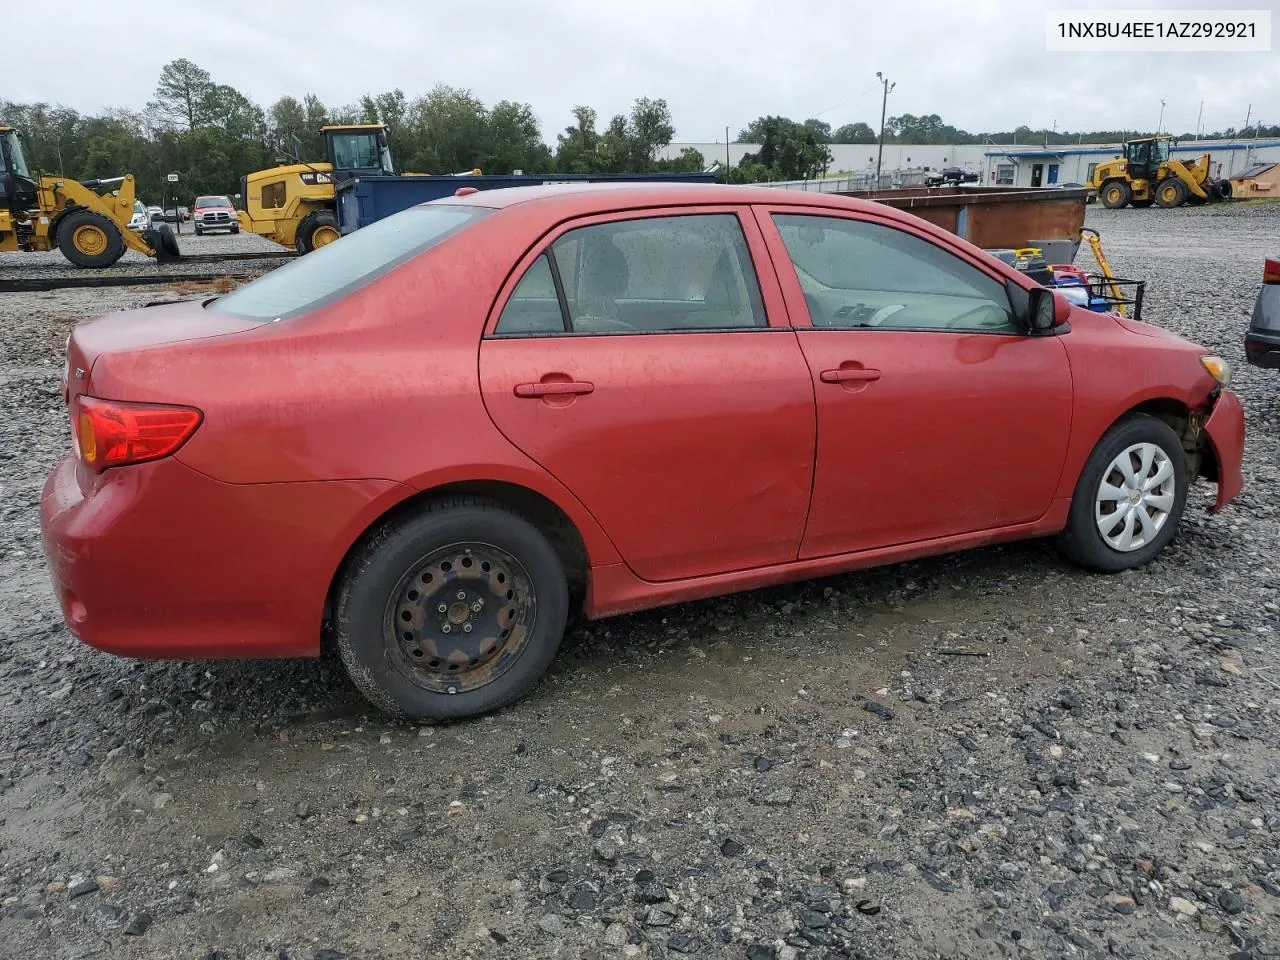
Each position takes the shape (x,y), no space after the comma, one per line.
(860,315)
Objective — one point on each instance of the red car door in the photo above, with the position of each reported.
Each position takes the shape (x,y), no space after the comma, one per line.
(642,360)
(937,414)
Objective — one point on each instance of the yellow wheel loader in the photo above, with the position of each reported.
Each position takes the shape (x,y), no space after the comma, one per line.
(39,213)
(294,203)
(1146,174)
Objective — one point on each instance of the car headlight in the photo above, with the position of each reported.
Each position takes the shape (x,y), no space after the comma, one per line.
(1218,368)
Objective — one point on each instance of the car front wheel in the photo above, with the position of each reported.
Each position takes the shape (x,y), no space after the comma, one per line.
(1129,498)
(450,612)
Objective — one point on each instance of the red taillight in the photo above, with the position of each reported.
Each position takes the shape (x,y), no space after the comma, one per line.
(113,433)
(1271,270)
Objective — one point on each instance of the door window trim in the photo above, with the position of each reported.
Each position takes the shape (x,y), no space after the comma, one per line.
(789,282)
(761,261)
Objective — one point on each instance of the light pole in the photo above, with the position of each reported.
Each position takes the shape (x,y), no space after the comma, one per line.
(1160,125)
(884,102)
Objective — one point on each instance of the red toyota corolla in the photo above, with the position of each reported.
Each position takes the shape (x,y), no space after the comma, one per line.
(447,428)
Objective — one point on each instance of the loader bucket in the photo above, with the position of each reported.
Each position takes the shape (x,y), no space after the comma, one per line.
(164,243)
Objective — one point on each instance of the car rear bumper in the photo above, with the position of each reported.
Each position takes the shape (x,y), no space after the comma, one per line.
(1262,342)
(1225,430)
(1263,349)
(159,560)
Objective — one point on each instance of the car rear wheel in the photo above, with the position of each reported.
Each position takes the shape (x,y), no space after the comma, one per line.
(451,612)
(1129,498)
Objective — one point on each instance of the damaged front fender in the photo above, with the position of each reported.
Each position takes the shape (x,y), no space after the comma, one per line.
(1225,431)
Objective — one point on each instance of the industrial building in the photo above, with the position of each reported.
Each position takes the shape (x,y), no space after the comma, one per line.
(1027,165)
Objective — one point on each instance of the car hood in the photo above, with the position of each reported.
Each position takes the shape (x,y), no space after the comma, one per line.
(1156,333)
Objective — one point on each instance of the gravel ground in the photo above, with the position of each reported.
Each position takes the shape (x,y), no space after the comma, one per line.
(984,755)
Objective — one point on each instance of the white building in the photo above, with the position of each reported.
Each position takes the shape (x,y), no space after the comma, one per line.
(1014,164)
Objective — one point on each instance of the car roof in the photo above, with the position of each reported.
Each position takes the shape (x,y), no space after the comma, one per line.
(587,197)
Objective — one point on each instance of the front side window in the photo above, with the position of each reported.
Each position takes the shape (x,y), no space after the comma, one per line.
(1004,173)
(646,275)
(355,151)
(857,274)
(336,269)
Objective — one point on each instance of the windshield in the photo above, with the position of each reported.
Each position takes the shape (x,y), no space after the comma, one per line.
(14,148)
(212,202)
(356,151)
(337,269)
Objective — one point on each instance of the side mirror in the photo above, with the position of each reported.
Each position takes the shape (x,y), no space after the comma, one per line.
(1045,310)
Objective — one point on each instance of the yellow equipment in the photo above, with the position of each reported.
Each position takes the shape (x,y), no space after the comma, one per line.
(294,204)
(1095,244)
(38,213)
(1146,174)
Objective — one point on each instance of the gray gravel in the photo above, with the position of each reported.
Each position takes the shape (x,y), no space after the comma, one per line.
(53,262)
(815,771)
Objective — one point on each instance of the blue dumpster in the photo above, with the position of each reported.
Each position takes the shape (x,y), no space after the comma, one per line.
(363,200)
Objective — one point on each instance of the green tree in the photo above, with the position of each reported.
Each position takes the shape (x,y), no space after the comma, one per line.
(182,95)
(788,150)
(512,141)
(854,133)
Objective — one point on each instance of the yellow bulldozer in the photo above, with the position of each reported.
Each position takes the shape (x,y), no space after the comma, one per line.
(1147,174)
(294,203)
(39,213)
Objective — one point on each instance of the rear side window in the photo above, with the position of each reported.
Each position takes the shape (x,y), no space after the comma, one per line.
(337,269)
(664,274)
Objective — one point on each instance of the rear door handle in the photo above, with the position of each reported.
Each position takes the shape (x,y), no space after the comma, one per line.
(554,388)
(849,375)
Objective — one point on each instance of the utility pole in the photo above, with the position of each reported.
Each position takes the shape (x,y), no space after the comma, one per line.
(1160,125)
(1248,114)
(726,154)
(1199,117)
(883,104)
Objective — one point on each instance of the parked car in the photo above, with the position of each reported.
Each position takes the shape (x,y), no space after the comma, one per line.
(157,214)
(1262,342)
(952,175)
(215,213)
(141,218)
(441,432)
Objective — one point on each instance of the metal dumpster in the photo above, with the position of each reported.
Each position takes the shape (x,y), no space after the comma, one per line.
(999,217)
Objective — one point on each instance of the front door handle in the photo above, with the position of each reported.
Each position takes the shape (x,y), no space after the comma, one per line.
(555,388)
(849,375)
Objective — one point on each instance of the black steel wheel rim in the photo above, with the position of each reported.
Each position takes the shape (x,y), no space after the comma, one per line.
(460,617)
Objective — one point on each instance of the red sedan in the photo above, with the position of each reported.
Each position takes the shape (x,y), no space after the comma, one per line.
(445,430)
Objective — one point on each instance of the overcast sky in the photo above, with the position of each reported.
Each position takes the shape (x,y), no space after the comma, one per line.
(980,64)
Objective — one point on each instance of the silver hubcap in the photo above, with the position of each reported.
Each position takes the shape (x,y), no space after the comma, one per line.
(1135,497)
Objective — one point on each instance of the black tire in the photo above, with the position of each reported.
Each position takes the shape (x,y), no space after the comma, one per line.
(1223,189)
(1082,541)
(1115,194)
(320,219)
(394,575)
(235,230)
(1171,192)
(199,232)
(75,231)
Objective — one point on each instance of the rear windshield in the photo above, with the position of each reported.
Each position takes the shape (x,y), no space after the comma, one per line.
(336,269)
(212,202)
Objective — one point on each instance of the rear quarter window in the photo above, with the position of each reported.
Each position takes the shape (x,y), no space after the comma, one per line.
(338,269)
